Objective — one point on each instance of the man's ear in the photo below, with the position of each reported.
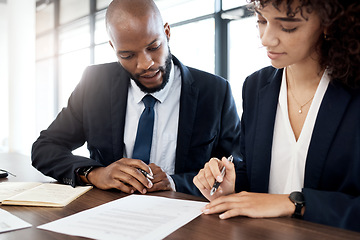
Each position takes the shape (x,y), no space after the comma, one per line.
(167,30)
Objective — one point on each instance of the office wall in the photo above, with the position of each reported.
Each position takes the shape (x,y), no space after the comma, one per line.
(19,77)
(4,97)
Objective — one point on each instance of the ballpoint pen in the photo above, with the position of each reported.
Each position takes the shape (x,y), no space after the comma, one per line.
(146,174)
(4,173)
(217,184)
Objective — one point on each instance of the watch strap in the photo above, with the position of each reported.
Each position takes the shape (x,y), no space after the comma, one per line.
(83,174)
(87,171)
(299,201)
(297,212)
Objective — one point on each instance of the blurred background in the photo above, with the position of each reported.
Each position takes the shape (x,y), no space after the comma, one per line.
(45,46)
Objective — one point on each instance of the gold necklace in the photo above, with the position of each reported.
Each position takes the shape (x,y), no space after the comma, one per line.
(301,106)
(292,94)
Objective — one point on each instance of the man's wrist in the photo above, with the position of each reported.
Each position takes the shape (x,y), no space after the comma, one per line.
(83,174)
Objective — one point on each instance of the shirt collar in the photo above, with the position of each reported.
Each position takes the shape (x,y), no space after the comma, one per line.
(160,95)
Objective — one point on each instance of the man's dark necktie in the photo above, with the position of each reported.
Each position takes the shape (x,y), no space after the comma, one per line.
(144,133)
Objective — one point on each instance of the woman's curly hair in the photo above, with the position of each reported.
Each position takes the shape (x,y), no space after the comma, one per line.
(339,46)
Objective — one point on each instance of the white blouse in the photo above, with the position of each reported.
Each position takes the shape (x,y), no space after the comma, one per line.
(288,156)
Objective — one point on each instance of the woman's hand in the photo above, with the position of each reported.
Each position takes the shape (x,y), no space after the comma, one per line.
(254,205)
(205,179)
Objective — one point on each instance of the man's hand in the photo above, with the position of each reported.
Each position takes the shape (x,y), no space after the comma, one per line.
(123,175)
(205,179)
(160,181)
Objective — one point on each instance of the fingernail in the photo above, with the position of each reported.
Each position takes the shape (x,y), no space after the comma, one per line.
(206,210)
(221,216)
(219,178)
(150,184)
(144,191)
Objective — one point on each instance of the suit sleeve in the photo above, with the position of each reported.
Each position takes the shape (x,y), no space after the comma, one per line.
(52,151)
(332,208)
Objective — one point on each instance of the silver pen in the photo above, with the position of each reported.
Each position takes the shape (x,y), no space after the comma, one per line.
(146,174)
(217,184)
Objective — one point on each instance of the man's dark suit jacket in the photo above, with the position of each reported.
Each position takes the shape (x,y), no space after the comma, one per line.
(208,125)
(332,171)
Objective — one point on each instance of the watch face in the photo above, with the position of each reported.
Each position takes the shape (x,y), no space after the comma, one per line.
(297,197)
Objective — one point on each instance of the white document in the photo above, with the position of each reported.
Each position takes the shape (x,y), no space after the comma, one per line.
(131,217)
(9,222)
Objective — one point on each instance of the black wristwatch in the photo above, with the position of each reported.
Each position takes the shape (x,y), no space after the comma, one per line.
(299,200)
(85,171)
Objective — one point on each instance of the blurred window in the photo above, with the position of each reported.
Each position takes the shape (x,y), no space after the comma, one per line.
(194,44)
(73,9)
(180,10)
(246,54)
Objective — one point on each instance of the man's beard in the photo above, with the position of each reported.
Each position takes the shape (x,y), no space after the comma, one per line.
(165,76)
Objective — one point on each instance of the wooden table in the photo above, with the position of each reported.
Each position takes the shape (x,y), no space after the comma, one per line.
(204,227)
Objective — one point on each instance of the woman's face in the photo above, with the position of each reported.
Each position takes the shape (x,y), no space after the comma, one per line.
(288,40)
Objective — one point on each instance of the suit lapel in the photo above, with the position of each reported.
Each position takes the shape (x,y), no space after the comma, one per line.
(331,111)
(119,93)
(188,106)
(266,112)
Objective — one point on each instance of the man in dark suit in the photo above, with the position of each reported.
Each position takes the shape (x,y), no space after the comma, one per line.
(195,114)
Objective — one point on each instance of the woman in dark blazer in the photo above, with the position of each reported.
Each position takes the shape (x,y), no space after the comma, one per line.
(300,139)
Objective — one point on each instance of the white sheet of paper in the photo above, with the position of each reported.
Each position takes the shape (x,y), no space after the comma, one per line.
(131,217)
(9,222)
